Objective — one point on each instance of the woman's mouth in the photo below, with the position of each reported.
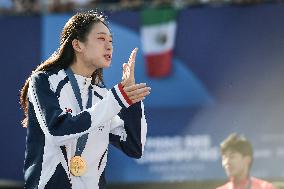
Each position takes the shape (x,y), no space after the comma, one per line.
(107,57)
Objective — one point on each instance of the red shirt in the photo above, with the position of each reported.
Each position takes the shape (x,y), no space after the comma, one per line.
(252,183)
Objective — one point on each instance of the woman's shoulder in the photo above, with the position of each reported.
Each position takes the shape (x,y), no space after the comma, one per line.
(48,77)
(39,75)
(49,73)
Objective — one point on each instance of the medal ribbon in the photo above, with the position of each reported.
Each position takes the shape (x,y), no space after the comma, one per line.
(82,140)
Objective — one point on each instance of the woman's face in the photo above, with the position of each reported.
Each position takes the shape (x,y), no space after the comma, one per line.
(97,49)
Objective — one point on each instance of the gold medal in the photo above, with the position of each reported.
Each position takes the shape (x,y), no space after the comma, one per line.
(78,166)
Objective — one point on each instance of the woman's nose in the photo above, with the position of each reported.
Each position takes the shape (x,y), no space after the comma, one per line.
(109,46)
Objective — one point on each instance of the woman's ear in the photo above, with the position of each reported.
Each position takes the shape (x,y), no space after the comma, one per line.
(77,45)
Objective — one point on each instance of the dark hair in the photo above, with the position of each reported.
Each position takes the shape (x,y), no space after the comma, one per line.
(238,144)
(77,27)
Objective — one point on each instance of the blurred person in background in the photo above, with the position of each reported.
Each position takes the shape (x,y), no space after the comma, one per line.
(19,6)
(26,6)
(237,159)
(71,117)
(6,6)
(59,5)
(130,4)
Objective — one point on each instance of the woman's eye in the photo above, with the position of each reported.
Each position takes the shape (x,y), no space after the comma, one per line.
(101,38)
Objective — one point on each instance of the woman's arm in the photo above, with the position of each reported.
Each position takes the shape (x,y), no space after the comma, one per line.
(129,130)
(60,126)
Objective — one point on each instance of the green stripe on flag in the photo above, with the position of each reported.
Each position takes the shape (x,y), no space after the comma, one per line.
(158,16)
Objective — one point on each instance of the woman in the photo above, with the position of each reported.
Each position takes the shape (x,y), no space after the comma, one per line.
(71,117)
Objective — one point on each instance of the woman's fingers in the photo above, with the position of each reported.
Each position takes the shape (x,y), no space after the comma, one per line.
(139,96)
(128,77)
(126,71)
(132,56)
(124,74)
(132,60)
(137,92)
(137,100)
(134,87)
(124,66)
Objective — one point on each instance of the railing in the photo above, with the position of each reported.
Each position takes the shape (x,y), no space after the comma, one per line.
(56,6)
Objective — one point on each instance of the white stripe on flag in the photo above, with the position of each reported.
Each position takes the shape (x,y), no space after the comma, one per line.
(150,35)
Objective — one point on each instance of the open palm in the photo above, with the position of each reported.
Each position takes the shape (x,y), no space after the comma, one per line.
(128,76)
(135,92)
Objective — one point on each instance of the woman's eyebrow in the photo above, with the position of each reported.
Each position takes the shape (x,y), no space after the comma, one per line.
(104,34)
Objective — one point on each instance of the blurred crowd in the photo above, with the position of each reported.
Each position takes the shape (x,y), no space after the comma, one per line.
(56,6)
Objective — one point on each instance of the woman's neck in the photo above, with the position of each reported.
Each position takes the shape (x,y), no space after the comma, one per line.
(81,69)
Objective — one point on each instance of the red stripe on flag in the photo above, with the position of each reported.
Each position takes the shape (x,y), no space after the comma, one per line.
(159,65)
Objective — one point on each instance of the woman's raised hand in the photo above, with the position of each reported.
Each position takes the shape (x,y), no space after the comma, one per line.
(136,92)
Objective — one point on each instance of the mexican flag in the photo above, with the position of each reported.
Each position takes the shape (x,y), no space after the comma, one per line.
(158,39)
